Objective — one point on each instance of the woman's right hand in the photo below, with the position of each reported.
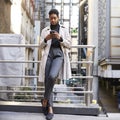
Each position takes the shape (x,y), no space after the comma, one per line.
(48,37)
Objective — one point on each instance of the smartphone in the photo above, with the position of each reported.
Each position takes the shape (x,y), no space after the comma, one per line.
(52,31)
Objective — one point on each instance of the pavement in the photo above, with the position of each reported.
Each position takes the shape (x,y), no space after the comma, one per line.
(6,115)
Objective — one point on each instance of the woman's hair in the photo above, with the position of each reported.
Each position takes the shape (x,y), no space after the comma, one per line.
(54,11)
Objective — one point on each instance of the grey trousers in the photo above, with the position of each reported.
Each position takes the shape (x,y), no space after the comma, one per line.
(53,66)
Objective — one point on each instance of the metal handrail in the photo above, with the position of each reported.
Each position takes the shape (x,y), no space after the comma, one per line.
(17,76)
(28,91)
(20,76)
(37,45)
(19,61)
(42,87)
(30,61)
(88,92)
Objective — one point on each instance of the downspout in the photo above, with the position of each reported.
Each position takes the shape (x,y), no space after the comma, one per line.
(80,29)
(83,2)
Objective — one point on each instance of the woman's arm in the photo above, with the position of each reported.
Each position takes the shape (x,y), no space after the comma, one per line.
(66,39)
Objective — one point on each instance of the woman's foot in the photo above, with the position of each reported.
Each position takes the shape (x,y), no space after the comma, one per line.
(44,103)
(50,114)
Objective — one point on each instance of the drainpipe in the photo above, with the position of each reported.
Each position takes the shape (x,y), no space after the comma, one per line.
(53,3)
(80,29)
(70,14)
(83,2)
(62,12)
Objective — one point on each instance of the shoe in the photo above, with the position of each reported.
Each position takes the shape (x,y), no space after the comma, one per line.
(49,116)
(44,109)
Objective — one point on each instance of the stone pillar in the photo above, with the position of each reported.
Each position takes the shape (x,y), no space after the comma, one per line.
(5,8)
(93,40)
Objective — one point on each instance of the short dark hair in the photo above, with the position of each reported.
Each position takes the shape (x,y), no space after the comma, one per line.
(54,11)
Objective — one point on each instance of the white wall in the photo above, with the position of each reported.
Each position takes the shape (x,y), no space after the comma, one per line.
(16,16)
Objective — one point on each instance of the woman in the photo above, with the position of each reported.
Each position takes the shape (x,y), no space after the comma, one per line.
(55,45)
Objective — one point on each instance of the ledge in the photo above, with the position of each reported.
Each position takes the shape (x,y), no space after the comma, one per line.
(59,108)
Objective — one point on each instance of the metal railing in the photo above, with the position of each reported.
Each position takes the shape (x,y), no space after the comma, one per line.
(82,94)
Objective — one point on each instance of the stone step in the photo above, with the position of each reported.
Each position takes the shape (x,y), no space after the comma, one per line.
(59,108)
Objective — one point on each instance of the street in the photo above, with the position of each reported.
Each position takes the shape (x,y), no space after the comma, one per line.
(35,116)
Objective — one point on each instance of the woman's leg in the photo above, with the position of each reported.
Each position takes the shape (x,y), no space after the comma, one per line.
(47,70)
(54,70)
(53,73)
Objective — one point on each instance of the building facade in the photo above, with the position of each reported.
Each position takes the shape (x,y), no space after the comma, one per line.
(22,22)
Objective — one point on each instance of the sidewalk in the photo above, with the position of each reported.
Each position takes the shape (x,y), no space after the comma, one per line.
(35,116)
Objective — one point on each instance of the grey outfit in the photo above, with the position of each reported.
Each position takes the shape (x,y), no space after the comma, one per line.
(53,66)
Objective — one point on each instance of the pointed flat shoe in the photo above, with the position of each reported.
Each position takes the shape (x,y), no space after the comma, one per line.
(49,116)
(44,109)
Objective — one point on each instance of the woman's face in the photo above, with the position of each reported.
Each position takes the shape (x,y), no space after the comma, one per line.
(53,19)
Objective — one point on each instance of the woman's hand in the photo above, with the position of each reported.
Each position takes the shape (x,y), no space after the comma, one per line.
(56,35)
(53,35)
(48,37)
